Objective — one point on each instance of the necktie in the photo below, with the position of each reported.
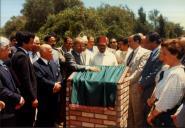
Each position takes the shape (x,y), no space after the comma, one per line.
(161,75)
(130,58)
(183,60)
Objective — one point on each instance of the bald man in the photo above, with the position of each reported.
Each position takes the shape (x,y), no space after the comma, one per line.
(49,82)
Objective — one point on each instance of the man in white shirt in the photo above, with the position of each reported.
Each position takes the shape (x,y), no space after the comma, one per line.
(124,51)
(104,57)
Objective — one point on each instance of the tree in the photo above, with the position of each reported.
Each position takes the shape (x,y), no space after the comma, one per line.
(60,5)
(75,21)
(141,24)
(153,16)
(36,12)
(14,24)
(118,21)
(162,26)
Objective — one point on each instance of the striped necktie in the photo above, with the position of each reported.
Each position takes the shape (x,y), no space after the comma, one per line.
(130,58)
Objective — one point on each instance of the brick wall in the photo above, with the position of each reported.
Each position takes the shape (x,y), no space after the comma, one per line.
(86,116)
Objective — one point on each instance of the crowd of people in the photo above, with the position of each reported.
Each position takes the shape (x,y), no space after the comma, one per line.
(33,76)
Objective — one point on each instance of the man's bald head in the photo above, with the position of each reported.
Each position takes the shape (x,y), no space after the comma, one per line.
(46,51)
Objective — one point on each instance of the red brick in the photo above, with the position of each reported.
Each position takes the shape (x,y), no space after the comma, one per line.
(108,122)
(82,119)
(110,112)
(96,121)
(75,123)
(75,113)
(84,124)
(112,118)
(100,116)
(87,114)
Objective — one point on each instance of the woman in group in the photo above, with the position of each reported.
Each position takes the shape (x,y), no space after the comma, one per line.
(174,85)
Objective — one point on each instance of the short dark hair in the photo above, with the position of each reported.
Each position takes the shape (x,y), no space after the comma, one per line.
(154,37)
(52,34)
(23,37)
(12,37)
(123,41)
(137,37)
(67,37)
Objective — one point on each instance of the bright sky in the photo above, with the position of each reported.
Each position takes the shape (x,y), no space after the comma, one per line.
(174,10)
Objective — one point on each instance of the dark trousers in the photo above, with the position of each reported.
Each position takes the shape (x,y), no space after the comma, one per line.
(163,120)
(9,122)
(62,116)
(25,117)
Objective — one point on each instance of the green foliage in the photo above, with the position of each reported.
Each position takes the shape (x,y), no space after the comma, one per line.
(36,12)
(71,18)
(14,24)
(118,21)
(141,24)
(60,5)
(74,22)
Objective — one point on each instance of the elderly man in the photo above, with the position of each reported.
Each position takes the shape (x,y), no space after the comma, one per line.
(104,57)
(136,62)
(49,85)
(74,59)
(8,90)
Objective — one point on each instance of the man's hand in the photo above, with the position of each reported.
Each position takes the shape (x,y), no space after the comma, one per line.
(20,104)
(150,119)
(35,103)
(174,118)
(94,69)
(57,87)
(2,105)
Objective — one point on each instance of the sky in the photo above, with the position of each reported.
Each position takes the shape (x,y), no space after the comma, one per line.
(174,10)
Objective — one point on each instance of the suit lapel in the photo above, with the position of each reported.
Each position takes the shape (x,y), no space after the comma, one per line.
(44,67)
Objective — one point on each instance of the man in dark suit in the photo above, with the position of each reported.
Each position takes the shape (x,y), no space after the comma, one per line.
(24,71)
(74,59)
(147,80)
(49,82)
(8,90)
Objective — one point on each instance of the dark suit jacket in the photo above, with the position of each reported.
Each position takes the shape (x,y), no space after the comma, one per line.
(8,92)
(24,71)
(47,76)
(73,62)
(150,70)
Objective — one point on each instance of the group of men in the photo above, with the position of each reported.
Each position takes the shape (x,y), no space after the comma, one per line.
(34,77)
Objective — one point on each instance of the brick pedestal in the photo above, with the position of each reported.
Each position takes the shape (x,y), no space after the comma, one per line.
(87,116)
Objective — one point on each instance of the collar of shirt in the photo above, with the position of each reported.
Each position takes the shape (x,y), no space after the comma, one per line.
(105,53)
(136,50)
(1,62)
(155,50)
(175,67)
(44,60)
(24,50)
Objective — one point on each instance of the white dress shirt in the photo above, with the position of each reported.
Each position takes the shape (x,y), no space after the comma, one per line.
(105,59)
(174,89)
(122,56)
(161,84)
